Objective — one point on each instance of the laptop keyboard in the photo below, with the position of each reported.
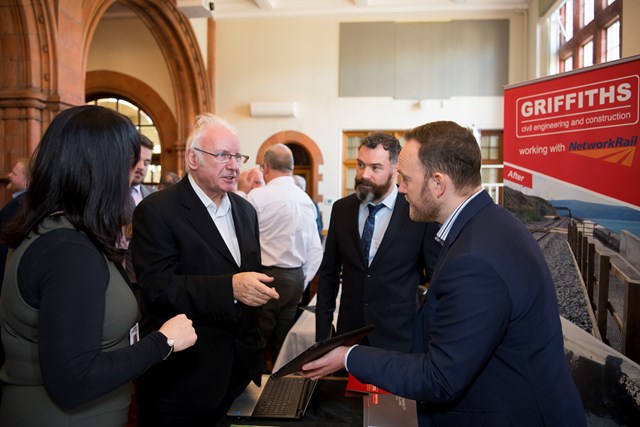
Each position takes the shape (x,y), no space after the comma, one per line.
(279,397)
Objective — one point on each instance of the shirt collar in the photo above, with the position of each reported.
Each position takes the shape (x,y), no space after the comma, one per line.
(388,201)
(443,233)
(282,180)
(225,205)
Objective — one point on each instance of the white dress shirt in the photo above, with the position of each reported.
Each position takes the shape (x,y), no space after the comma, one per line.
(222,218)
(382,220)
(288,231)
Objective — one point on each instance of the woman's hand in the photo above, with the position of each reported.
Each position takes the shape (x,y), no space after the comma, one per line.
(180,330)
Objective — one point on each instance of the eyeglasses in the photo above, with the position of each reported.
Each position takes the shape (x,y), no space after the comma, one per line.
(225,157)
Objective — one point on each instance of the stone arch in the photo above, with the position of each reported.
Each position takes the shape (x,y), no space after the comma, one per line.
(28,90)
(177,42)
(110,82)
(291,136)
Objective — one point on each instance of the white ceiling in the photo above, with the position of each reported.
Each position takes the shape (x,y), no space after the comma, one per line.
(265,8)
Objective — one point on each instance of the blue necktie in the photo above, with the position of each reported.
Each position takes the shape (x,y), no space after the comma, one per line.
(367,231)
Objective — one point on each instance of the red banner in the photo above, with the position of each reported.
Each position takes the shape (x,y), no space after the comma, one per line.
(580,127)
(518,176)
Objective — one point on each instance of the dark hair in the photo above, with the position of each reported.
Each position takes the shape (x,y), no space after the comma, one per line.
(451,149)
(81,167)
(146,142)
(389,143)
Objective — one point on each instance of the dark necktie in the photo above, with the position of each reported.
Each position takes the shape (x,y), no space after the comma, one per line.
(367,231)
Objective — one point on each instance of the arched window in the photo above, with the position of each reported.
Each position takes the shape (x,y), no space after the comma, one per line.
(145,126)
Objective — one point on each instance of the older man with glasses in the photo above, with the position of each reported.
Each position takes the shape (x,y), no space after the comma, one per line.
(196,251)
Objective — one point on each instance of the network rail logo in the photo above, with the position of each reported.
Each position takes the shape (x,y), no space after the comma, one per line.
(620,150)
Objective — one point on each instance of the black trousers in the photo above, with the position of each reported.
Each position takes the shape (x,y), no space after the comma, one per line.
(278,316)
(157,414)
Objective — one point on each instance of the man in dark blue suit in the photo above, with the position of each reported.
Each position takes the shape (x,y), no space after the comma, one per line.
(488,344)
(381,286)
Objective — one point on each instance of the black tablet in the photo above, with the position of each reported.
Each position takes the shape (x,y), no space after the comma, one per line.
(321,348)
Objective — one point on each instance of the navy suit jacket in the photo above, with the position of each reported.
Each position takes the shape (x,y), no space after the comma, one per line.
(184,266)
(488,344)
(385,292)
(7,214)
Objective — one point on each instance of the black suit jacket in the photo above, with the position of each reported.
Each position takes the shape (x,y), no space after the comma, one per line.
(384,293)
(184,266)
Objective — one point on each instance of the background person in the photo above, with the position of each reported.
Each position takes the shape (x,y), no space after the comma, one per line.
(66,310)
(196,249)
(18,183)
(381,285)
(488,348)
(248,180)
(289,243)
(168,179)
(302,183)
(139,190)
(19,177)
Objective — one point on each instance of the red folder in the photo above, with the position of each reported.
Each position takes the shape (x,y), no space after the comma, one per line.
(354,385)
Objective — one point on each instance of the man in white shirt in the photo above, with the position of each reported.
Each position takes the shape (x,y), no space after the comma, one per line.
(289,243)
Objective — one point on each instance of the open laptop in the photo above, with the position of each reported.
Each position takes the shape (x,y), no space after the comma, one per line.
(285,396)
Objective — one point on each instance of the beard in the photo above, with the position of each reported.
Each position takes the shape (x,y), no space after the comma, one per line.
(426,209)
(137,178)
(367,191)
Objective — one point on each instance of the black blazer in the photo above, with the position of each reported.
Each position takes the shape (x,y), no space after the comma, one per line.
(184,266)
(384,293)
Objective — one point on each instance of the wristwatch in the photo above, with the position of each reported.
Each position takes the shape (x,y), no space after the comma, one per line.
(170,344)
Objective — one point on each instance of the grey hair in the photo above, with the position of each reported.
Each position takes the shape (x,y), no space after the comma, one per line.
(201,124)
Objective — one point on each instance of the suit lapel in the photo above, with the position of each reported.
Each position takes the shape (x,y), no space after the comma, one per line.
(353,216)
(399,215)
(479,202)
(243,230)
(199,218)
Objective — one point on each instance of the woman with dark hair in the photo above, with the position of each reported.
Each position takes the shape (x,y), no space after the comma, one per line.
(67,313)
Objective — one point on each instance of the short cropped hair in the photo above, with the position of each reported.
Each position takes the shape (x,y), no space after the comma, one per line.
(388,142)
(451,149)
(279,157)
